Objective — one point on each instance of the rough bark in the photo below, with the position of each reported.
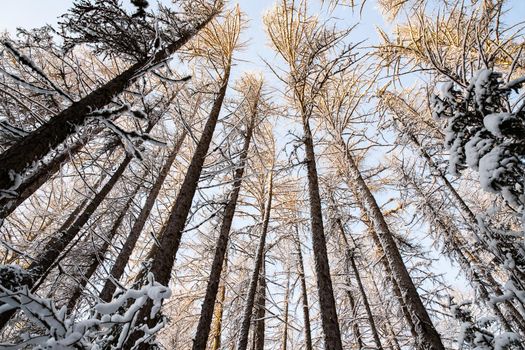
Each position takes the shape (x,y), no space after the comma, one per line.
(427,336)
(117,270)
(50,135)
(218,313)
(329,321)
(203,327)
(171,234)
(284,340)
(304,293)
(260,303)
(242,343)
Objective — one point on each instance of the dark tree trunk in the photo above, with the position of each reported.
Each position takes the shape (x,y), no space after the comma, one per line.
(37,144)
(284,340)
(260,312)
(203,327)
(427,336)
(170,237)
(304,293)
(250,298)
(332,333)
(117,270)
(35,181)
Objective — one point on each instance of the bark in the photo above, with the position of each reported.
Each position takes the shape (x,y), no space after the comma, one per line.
(97,257)
(329,321)
(203,328)
(218,313)
(170,237)
(250,298)
(117,270)
(35,181)
(35,146)
(350,261)
(427,336)
(304,293)
(260,313)
(284,340)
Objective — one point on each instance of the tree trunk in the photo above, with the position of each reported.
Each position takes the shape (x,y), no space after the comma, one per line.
(427,336)
(350,261)
(304,293)
(15,161)
(219,311)
(332,333)
(388,272)
(393,338)
(260,313)
(203,328)
(170,237)
(250,298)
(45,171)
(117,270)
(284,340)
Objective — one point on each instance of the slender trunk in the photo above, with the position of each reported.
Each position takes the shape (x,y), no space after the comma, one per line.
(250,298)
(203,328)
(260,312)
(117,270)
(97,257)
(350,261)
(218,313)
(428,337)
(332,333)
(171,234)
(284,340)
(304,293)
(35,146)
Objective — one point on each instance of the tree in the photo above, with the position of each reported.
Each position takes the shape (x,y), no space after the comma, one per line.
(20,158)
(251,88)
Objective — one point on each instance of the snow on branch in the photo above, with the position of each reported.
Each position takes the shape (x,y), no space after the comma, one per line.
(109,326)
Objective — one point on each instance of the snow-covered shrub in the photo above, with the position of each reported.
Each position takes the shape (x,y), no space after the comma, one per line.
(486,132)
(107,327)
(479,334)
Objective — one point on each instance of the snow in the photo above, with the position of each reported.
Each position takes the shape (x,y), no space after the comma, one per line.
(64,332)
(493,121)
(504,340)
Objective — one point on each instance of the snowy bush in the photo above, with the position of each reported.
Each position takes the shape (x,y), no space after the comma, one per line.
(486,132)
(108,327)
(477,334)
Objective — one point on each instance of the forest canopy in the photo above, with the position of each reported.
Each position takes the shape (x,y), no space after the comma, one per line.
(290,174)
